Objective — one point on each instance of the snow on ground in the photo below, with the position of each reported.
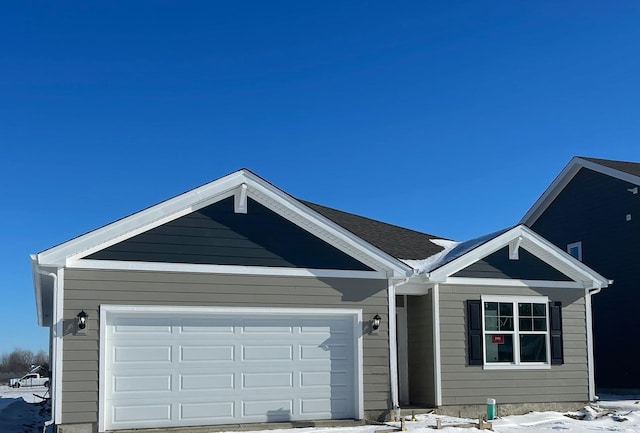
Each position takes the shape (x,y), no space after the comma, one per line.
(23,412)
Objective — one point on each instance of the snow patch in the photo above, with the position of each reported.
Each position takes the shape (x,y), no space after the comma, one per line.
(425,265)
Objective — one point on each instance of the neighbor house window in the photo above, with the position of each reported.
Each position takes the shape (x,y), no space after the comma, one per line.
(575,249)
(515,331)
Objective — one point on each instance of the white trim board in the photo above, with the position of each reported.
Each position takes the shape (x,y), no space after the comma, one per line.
(221,269)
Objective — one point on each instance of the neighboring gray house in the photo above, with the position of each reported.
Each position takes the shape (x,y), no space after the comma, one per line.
(237,303)
(592,209)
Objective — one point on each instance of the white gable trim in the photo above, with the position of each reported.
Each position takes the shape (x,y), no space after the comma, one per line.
(496,282)
(238,184)
(221,269)
(563,179)
(536,245)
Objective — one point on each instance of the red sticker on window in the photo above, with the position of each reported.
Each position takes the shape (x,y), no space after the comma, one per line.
(497,339)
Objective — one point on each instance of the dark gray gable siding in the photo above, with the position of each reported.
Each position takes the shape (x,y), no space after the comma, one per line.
(216,235)
(592,209)
(498,265)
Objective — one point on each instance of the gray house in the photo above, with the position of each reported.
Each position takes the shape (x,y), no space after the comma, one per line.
(592,209)
(237,303)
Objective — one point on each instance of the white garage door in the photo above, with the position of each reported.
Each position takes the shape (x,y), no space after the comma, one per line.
(193,368)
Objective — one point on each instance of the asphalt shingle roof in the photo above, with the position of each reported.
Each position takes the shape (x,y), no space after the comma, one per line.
(399,242)
(632,168)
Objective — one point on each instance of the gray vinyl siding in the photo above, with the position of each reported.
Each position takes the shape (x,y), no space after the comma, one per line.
(498,265)
(216,235)
(463,384)
(85,289)
(421,353)
(592,209)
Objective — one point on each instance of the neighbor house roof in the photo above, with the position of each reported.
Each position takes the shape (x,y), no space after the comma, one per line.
(632,168)
(623,170)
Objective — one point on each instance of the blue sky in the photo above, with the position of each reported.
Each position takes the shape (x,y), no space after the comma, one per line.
(448,117)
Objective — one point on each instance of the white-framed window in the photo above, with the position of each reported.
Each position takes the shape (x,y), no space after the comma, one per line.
(516,332)
(575,249)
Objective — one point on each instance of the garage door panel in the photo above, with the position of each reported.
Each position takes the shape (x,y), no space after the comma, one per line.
(322,407)
(215,353)
(265,326)
(324,378)
(274,410)
(264,380)
(267,353)
(228,369)
(143,325)
(326,352)
(137,384)
(207,382)
(206,326)
(141,413)
(207,411)
(141,354)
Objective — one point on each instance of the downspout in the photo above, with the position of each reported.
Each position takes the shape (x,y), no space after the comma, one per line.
(393,344)
(437,361)
(589,292)
(54,361)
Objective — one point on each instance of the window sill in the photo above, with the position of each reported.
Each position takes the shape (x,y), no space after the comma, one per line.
(516,367)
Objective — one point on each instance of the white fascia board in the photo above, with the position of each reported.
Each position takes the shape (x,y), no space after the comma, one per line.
(562,261)
(141,221)
(222,269)
(563,179)
(37,288)
(437,351)
(497,282)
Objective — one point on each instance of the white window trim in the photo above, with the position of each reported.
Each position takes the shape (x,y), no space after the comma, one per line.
(516,365)
(577,245)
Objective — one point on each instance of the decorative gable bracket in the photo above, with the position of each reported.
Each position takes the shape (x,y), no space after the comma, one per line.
(514,248)
(240,199)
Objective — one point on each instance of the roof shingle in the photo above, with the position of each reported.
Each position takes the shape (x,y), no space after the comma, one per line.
(632,168)
(399,242)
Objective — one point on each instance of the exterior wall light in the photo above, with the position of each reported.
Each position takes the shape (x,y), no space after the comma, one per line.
(375,324)
(82,319)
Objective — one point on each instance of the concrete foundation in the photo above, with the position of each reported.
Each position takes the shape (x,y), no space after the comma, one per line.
(76,428)
(474,410)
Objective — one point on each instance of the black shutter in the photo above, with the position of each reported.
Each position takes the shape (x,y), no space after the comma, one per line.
(555,322)
(474,332)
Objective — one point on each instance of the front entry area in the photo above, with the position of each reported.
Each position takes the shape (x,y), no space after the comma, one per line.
(165,368)
(415,345)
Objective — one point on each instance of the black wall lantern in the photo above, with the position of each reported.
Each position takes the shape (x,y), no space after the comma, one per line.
(82,319)
(375,324)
